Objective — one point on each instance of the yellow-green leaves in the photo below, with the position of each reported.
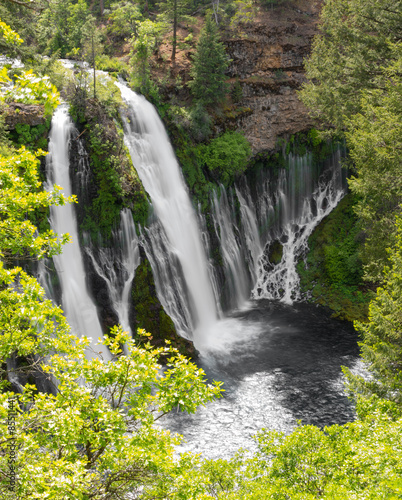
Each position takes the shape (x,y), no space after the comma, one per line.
(97,436)
(9,35)
(20,197)
(29,88)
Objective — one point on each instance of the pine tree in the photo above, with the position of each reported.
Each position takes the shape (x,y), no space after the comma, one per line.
(210,64)
(381,347)
(174,11)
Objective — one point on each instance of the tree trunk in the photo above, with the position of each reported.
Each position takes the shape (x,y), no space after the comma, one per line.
(101,7)
(174,31)
(93,62)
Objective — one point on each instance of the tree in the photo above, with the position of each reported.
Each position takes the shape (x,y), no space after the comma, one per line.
(226,156)
(94,435)
(96,438)
(374,137)
(174,11)
(355,82)
(210,64)
(356,460)
(8,35)
(349,55)
(31,326)
(381,345)
(146,41)
(61,26)
(125,18)
(245,12)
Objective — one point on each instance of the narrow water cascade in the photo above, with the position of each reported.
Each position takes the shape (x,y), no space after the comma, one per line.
(116,266)
(250,234)
(77,304)
(237,279)
(156,164)
(169,280)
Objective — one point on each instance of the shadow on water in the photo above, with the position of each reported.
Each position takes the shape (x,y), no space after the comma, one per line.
(284,367)
(306,348)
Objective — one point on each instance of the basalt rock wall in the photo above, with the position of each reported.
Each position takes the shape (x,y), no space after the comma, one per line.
(267,59)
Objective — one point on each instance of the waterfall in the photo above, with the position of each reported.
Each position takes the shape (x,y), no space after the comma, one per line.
(301,208)
(117,266)
(284,210)
(177,252)
(237,279)
(77,304)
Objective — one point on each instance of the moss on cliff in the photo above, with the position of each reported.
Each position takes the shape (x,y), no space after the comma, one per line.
(115,183)
(150,315)
(332,271)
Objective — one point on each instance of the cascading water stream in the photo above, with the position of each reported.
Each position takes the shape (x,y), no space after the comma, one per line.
(77,304)
(302,206)
(285,210)
(156,164)
(238,281)
(117,266)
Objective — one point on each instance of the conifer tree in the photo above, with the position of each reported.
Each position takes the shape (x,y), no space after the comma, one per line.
(210,64)
(174,11)
(381,347)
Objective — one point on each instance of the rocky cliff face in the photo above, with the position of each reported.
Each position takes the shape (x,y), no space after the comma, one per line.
(268,61)
(29,114)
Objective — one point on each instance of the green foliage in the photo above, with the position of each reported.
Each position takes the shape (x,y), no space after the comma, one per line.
(95,436)
(354,461)
(18,24)
(245,12)
(381,345)
(210,63)
(349,56)
(8,35)
(64,26)
(29,88)
(33,137)
(356,85)
(5,143)
(124,17)
(21,196)
(32,327)
(226,156)
(98,430)
(173,12)
(116,181)
(332,272)
(112,65)
(195,123)
(104,211)
(312,141)
(236,92)
(143,44)
(375,138)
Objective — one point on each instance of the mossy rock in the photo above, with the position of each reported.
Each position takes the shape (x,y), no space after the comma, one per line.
(332,273)
(275,252)
(150,315)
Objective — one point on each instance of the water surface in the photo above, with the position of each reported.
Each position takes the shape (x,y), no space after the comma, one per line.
(279,364)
